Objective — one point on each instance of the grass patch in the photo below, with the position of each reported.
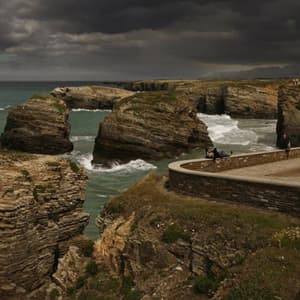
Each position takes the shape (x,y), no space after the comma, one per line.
(87,248)
(74,167)
(91,268)
(173,233)
(54,294)
(40,96)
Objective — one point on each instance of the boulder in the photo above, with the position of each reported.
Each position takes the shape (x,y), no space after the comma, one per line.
(40,125)
(289,114)
(249,101)
(91,97)
(41,210)
(149,125)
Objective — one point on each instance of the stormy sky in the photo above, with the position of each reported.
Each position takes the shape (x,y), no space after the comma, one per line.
(143,39)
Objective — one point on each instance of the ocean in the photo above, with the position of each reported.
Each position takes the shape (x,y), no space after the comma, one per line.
(237,135)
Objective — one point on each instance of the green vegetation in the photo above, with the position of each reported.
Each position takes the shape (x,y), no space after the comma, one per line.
(54,294)
(174,233)
(91,268)
(205,285)
(74,167)
(38,189)
(59,106)
(40,96)
(80,282)
(128,291)
(87,248)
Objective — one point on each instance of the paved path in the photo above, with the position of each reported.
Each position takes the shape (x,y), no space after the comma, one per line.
(285,170)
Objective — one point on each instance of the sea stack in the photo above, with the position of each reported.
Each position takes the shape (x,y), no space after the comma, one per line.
(289,114)
(40,125)
(91,97)
(149,125)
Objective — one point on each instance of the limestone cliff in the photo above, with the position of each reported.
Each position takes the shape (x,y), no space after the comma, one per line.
(150,125)
(289,114)
(40,125)
(238,98)
(41,200)
(91,97)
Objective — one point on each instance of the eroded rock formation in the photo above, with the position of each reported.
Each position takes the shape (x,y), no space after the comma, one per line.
(40,125)
(41,200)
(289,114)
(150,125)
(91,97)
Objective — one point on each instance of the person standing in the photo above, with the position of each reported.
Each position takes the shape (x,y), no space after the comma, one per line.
(285,144)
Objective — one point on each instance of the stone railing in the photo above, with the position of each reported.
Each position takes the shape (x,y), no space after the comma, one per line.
(201,178)
(239,161)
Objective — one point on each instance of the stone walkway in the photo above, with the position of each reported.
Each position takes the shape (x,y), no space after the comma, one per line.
(285,170)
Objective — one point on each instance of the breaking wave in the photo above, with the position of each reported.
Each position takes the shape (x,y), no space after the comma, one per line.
(135,165)
(82,138)
(224,130)
(90,110)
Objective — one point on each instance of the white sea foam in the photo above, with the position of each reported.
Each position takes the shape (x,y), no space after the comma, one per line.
(224,130)
(90,110)
(4,108)
(82,138)
(135,165)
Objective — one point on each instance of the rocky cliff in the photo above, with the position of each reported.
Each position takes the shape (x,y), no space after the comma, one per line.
(150,125)
(170,246)
(41,200)
(238,98)
(91,97)
(289,114)
(40,125)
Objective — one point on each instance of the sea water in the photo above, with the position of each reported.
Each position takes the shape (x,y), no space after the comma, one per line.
(227,134)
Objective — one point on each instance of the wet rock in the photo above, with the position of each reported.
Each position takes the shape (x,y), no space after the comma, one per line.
(40,125)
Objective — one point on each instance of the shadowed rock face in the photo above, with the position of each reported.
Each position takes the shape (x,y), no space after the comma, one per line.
(91,97)
(40,125)
(41,200)
(289,114)
(149,125)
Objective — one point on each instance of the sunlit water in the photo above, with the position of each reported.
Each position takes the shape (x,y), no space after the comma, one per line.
(227,134)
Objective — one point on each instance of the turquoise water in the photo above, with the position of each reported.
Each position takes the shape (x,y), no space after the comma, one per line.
(227,134)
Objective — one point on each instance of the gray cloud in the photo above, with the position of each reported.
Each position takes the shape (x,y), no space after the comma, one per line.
(129,39)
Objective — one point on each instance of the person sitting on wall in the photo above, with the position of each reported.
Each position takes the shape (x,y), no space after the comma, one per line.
(214,153)
(209,153)
(285,143)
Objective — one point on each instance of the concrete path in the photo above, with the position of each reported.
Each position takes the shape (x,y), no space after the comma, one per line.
(286,170)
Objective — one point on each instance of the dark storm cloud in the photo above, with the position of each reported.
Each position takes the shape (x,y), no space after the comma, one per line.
(120,39)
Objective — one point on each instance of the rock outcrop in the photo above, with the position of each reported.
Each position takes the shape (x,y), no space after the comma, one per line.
(238,98)
(149,125)
(251,102)
(289,114)
(41,200)
(91,97)
(40,125)
(177,247)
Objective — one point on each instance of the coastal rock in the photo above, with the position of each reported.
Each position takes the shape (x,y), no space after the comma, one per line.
(215,103)
(173,246)
(40,125)
(41,210)
(149,125)
(251,102)
(91,97)
(289,114)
